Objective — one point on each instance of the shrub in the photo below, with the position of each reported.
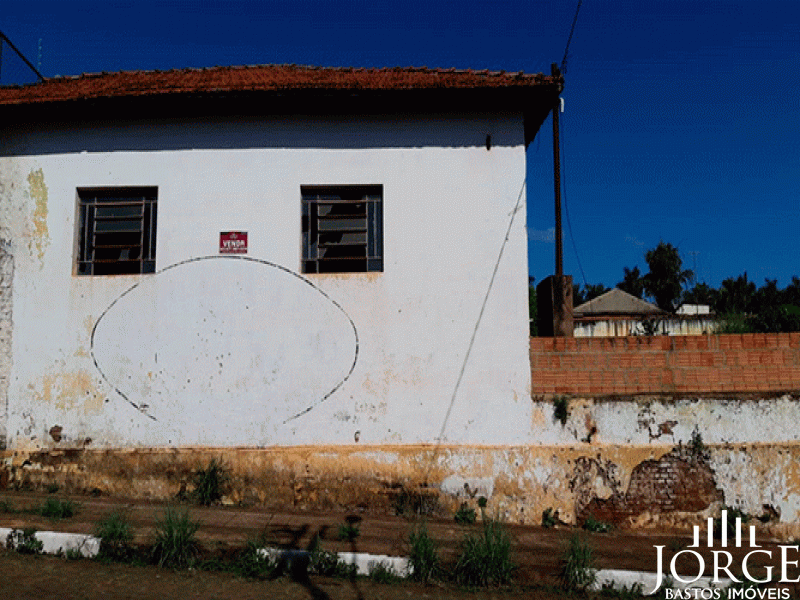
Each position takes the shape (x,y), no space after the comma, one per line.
(175,545)
(24,541)
(323,562)
(465,515)
(577,565)
(561,409)
(549,518)
(424,556)
(592,524)
(54,508)
(485,557)
(348,532)
(209,482)
(381,572)
(411,503)
(116,535)
(254,562)
(730,522)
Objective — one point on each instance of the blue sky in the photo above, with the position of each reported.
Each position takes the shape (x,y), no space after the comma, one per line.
(681,122)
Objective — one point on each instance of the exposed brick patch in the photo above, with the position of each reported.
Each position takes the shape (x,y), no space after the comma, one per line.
(733,363)
(677,482)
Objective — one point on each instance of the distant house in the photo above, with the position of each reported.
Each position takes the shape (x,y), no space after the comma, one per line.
(618,313)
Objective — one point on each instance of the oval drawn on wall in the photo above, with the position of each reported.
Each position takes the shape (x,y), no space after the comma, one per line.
(222,348)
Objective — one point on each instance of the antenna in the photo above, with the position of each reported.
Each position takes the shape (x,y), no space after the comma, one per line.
(4,38)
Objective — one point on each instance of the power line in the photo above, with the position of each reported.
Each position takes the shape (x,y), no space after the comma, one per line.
(569,40)
(4,38)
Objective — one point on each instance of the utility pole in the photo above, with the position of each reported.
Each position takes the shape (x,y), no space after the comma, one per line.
(557,178)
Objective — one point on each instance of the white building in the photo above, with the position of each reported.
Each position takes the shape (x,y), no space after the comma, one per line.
(266,256)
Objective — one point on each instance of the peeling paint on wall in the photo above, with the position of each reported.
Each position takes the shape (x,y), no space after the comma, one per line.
(6,328)
(632,486)
(38,192)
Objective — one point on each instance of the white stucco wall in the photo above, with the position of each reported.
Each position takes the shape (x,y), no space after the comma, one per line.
(228,352)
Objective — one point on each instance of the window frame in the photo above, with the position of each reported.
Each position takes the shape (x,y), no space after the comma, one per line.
(335,224)
(108,221)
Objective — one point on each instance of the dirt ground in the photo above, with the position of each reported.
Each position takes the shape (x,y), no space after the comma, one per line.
(536,551)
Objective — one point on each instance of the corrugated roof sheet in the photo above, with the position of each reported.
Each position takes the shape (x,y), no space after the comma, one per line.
(273,78)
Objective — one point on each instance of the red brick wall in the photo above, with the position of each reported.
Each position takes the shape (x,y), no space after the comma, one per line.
(754,362)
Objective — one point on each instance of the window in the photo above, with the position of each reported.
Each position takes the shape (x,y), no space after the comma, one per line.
(117,230)
(342,228)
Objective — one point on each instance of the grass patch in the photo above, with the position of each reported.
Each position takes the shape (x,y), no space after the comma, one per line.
(416,503)
(595,526)
(349,531)
(465,515)
(577,565)
(209,483)
(116,534)
(175,544)
(24,541)
(549,518)
(424,556)
(54,508)
(381,572)
(486,557)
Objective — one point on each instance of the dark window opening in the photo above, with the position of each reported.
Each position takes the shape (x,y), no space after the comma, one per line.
(342,228)
(117,231)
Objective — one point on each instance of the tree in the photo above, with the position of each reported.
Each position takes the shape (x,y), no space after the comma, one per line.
(666,278)
(736,296)
(589,292)
(701,293)
(632,282)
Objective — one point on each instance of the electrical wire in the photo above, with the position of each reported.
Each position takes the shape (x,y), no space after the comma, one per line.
(566,206)
(474,332)
(569,39)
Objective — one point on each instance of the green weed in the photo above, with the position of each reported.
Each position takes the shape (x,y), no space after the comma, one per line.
(116,534)
(380,572)
(465,515)
(323,562)
(486,557)
(175,544)
(595,526)
(24,541)
(424,556)
(549,518)
(577,565)
(53,508)
(209,482)
(348,533)
(561,409)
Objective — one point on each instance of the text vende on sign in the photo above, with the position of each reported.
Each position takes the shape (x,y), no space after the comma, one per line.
(233,242)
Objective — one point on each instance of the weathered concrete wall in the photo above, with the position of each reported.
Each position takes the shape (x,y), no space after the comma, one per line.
(755,362)
(218,351)
(6,328)
(636,486)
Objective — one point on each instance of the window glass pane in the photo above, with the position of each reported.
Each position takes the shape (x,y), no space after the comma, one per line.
(105,212)
(116,231)
(118,225)
(342,224)
(341,228)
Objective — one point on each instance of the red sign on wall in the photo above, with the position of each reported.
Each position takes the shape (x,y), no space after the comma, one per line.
(233,242)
